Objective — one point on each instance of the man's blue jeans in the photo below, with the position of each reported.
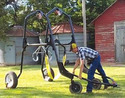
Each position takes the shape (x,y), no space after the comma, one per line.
(96,64)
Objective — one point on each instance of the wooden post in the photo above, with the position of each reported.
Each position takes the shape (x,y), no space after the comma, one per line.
(84,25)
(84,22)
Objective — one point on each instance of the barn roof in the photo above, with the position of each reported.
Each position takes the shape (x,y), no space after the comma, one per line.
(103,12)
(18,31)
(64,28)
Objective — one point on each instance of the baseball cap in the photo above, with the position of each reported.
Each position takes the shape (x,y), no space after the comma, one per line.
(72,46)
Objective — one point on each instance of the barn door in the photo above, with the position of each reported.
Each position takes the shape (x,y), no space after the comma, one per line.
(10,53)
(120,41)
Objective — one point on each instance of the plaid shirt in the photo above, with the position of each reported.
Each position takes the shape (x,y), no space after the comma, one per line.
(87,53)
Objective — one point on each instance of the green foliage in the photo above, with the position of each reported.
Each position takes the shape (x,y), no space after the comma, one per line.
(96,7)
(72,7)
(93,9)
(46,6)
(4,25)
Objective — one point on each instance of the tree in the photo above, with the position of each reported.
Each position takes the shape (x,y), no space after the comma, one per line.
(93,9)
(18,12)
(96,7)
(46,6)
(4,24)
(8,16)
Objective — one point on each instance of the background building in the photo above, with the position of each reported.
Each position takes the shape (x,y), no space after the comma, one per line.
(110,33)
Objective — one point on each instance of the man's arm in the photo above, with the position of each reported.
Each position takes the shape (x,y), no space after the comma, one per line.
(81,68)
(77,62)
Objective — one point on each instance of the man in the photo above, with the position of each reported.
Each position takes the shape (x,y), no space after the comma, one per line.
(85,53)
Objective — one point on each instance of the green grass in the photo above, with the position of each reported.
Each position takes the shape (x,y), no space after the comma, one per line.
(32,85)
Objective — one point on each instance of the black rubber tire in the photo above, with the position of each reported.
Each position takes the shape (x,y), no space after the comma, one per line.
(46,77)
(11,80)
(75,87)
(97,84)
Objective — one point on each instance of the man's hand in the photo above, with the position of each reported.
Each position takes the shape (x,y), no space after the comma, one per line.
(80,77)
(73,71)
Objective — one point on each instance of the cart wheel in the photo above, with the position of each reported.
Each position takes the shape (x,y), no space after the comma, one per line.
(11,80)
(96,85)
(75,87)
(46,77)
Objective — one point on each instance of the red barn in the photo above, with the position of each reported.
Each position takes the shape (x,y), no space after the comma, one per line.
(110,33)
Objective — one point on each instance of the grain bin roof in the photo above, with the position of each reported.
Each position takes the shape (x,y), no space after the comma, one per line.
(19,30)
(64,28)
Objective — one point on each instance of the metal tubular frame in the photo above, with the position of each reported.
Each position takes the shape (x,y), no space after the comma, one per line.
(51,43)
(62,70)
(25,44)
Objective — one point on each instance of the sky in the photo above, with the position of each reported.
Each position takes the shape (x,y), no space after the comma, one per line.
(22,2)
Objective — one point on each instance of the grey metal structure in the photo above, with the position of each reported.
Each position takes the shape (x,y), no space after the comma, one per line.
(49,42)
(10,51)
